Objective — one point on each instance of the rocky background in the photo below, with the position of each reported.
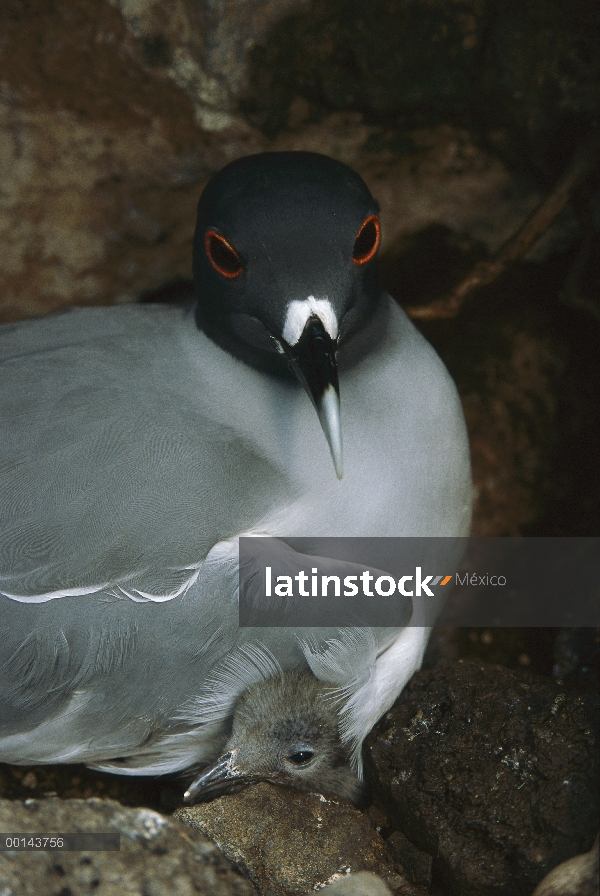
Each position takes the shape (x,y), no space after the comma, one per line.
(461,116)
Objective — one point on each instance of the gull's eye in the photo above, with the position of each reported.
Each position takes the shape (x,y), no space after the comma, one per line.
(301,757)
(222,255)
(367,241)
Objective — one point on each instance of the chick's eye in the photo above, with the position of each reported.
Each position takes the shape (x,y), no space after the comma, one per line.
(367,240)
(222,255)
(301,757)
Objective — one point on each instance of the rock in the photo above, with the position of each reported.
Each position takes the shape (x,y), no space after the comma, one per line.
(157,856)
(204,47)
(541,69)
(288,842)
(494,773)
(511,418)
(102,162)
(385,57)
(527,77)
(575,877)
(415,863)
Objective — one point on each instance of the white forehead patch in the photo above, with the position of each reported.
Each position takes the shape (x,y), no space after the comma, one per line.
(299,311)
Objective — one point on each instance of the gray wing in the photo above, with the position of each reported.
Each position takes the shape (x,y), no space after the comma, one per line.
(148,688)
(110,473)
(95,677)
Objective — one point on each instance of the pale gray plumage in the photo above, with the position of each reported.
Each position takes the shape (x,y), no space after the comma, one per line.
(136,450)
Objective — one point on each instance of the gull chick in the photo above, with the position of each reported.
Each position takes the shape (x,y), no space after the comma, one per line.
(285,731)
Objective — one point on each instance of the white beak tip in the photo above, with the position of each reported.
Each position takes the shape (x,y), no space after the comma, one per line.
(339,466)
(330,421)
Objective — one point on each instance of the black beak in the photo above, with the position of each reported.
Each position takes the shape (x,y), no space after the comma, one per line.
(221,777)
(314,363)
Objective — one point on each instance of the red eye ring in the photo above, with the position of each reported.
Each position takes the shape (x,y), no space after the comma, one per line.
(222,255)
(362,255)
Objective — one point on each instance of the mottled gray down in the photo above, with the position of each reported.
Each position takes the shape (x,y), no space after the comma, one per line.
(285,730)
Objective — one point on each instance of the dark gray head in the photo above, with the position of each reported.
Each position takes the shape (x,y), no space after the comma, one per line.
(283,268)
(285,730)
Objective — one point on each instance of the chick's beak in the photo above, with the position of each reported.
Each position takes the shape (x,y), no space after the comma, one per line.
(313,361)
(219,778)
